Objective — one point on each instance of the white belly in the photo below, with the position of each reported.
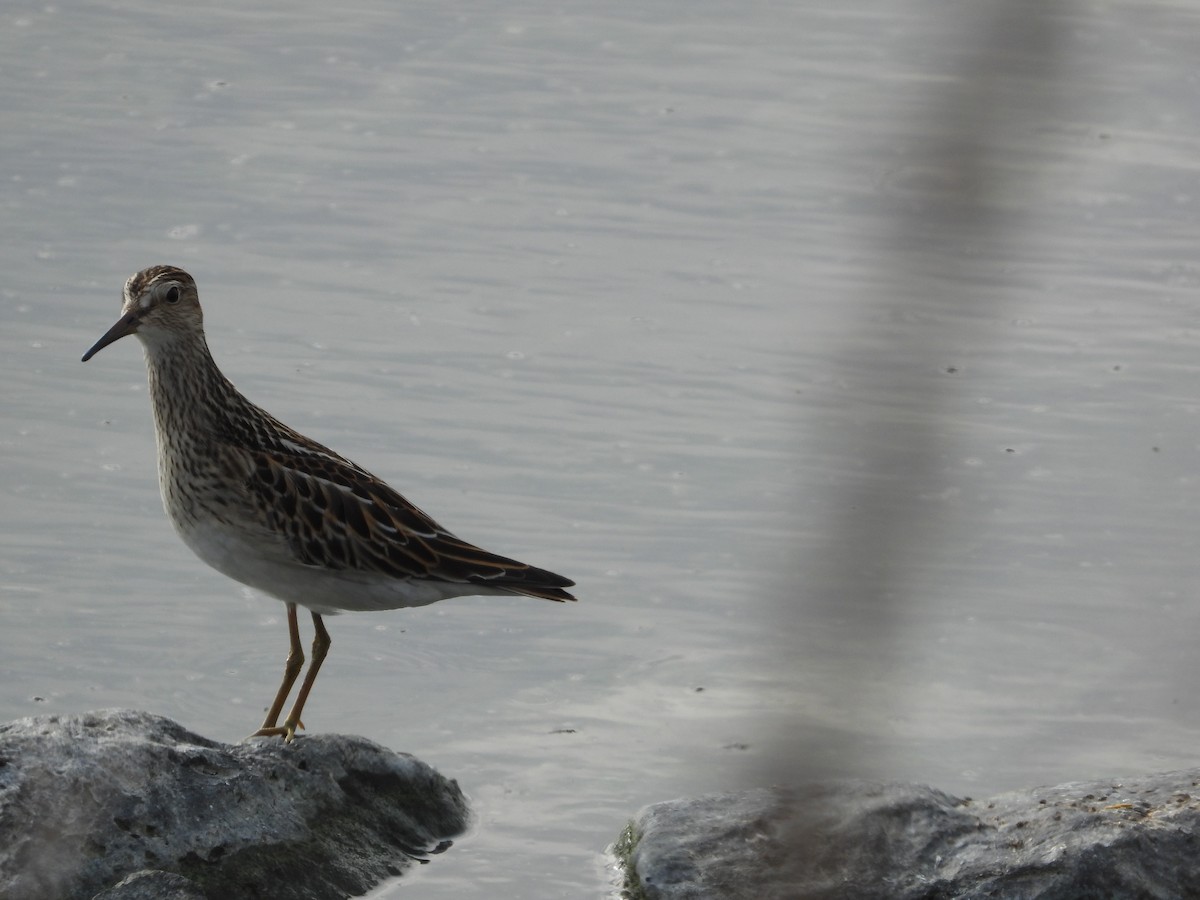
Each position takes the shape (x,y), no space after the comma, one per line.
(268,566)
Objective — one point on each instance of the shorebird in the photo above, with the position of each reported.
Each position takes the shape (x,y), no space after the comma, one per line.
(278,511)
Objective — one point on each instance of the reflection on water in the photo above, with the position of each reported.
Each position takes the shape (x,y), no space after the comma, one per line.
(845,360)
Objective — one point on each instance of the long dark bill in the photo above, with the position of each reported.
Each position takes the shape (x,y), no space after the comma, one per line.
(126,325)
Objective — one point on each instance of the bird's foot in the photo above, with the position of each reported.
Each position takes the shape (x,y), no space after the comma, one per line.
(287,731)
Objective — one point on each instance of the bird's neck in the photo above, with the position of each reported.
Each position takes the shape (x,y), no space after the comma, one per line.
(190,396)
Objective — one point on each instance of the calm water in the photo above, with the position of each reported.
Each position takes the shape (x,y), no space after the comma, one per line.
(847,360)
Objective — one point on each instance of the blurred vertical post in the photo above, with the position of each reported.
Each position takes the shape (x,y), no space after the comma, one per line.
(956,203)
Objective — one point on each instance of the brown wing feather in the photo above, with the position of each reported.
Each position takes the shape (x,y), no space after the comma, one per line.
(337,515)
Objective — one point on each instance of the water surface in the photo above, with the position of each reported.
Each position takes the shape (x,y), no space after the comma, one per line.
(846,359)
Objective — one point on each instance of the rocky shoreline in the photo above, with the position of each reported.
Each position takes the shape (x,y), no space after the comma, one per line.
(125,805)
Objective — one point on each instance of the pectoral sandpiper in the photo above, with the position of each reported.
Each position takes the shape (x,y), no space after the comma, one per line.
(279,512)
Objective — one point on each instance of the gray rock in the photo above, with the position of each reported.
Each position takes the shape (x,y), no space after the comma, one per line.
(87,800)
(1135,838)
(152,885)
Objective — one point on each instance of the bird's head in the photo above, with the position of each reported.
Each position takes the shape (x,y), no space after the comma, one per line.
(161,305)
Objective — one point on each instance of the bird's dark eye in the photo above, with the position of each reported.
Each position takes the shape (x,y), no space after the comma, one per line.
(172,294)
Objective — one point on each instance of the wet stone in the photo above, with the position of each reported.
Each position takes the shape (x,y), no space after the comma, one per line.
(121,804)
(1121,840)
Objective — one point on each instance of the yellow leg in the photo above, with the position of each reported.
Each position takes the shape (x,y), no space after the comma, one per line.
(295,661)
(320,647)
